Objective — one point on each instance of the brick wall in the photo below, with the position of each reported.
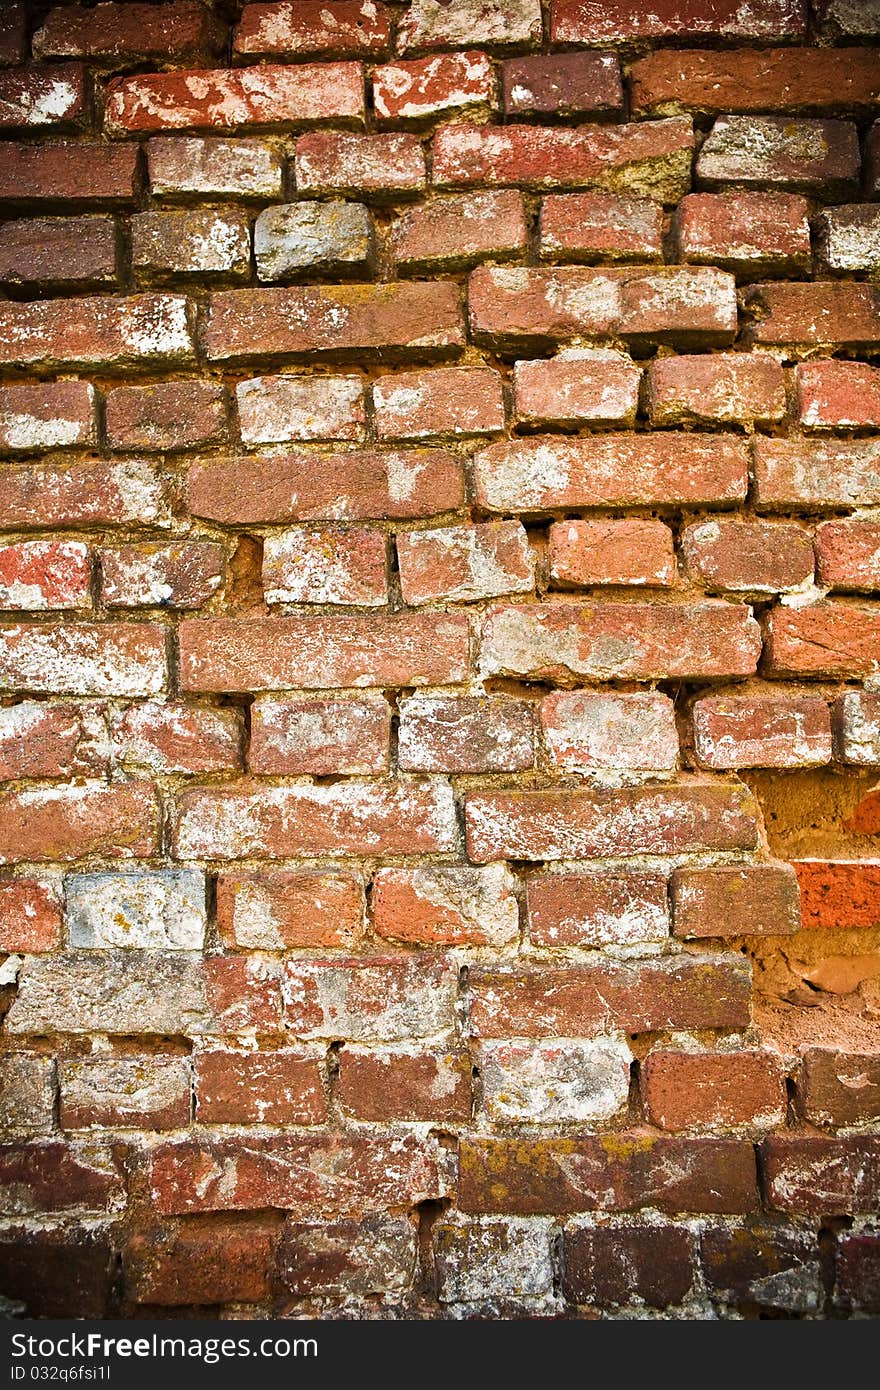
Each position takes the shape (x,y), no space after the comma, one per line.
(440,657)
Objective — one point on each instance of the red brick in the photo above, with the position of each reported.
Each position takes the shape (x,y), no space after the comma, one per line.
(39,575)
(582,386)
(427,88)
(41,98)
(214,167)
(748,233)
(125,1093)
(83,658)
(597,909)
(499,24)
(274,409)
(111,34)
(71,822)
(287,910)
(827,314)
(464,563)
(378,999)
(839,896)
(340,28)
(174,576)
(177,738)
(198,243)
(819,158)
(839,1087)
(30,915)
(757,557)
(81,494)
(650,160)
(387,1085)
(593,731)
(148,329)
(13,34)
(847,240)
(200,1264)
(826,639)
(47,175)
(54,1176)
(524,308)
(614,1265)
(693,816)
(320,738)
(419,320)
(304,1175)
(762,731)
(865,819)
(452,401)
(259,1088)
(792,80)
(470,733)
(858,1269)
(855,719)
(763,1266)
(386,167)
(446,906)
(59,415)
(600,227)
(837,395)
(713,1090)
(750,900)
(236,99)
(583,553)
(872,161)
(363,485)
(848,554)
(166,416)
(813,1177)
(250,820)
(304,653)
(28,1085)
(613,1172)
(61,1272)
(819,473)
(373,1255)
(562,84)
(58,252)
(729,388)
(459,230)
(619,641)
(336,564)
(624,21)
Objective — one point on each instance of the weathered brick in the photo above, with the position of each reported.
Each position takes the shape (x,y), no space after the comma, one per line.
(212,167)
(409,93)
(83,658)
(332,238)
(28,1088)
(286,910)
(597,909)
(283,1087)
(197,1264)
(320,738)
(816,473)
(388,1084)
(750,233)
(581,386)
(858,1269)
(264,97)
(70,822)
(619,641)
(114,34)
(196,243)
(58,252)
(848,18)
(464,563)
(651,159)
(46,175)
(13,33)
(41,98)
(59,415)
(331,28)
(839,895)
(166,416)
(562,84)
(335,564)
(147,329)
(125,1093)
(51,740)
(306,653)
(65,1271)
(359,819)
(812,1176)
(758,557)
(847,240)
(361,485)
(378,999)
(554,1082)
(373,1255)
(54,1176)
(419,319)
(834,395)
(275,409)
(459,230)
(591,731)
(385,167)
(40,575)
(30,915)
(177,738)
(624,21)
(171,576)
(713,1090)
(494,1260)
(450,401)
(630,552)
(81,494)
(764,1266)
(848,554)
(803,317)
(819,158)
(855,719)
(600,227)
(446,906)
(129,992)
(872,161)
(614,1172)
(826,639)
(793,80)
(147,910)
(468,733)
(693,816)
(728,388)
(734,900)
(614,1265)
(838,1087)
(784,730)
(499,24)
